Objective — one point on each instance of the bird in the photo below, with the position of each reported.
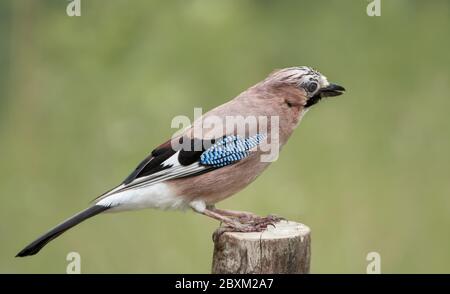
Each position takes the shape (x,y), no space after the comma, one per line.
(206,163)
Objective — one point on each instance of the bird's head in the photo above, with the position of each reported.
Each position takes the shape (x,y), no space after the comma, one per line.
(313,84)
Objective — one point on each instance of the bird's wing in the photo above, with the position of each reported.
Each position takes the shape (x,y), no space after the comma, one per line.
(166,163)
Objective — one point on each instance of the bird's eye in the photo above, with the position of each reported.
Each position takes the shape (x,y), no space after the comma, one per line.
(312,87)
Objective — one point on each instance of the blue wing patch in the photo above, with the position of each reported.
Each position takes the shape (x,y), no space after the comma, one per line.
(229,150)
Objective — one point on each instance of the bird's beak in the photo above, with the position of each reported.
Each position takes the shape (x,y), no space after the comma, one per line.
(331,90)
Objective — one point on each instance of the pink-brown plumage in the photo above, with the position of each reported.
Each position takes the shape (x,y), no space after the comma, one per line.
(267,98)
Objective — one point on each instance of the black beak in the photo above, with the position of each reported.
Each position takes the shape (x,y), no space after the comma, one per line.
(332,90)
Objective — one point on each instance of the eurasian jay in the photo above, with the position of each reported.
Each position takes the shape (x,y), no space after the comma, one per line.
(217,156)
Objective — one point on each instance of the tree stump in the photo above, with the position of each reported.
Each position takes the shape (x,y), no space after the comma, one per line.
(283,249)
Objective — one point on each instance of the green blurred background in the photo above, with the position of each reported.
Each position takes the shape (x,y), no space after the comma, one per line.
(84,99)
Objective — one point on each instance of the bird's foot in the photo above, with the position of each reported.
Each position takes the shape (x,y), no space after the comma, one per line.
(245,217)
(248,224)
(264,222)
(260,221)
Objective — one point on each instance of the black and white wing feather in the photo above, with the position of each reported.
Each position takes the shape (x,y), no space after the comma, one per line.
(166,162)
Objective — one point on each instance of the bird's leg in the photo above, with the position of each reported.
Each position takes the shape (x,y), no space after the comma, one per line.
(255,224)
(224,219)
(231,225)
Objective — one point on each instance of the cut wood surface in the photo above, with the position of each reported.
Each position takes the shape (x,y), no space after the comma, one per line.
(285,248)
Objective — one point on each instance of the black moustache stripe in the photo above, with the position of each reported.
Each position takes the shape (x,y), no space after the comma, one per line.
(313,100)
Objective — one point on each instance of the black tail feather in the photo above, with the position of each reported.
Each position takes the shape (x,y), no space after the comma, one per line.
(35,246)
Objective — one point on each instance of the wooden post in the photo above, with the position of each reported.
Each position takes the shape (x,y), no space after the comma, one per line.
(284,249)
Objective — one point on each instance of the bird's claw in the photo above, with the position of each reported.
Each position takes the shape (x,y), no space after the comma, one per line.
(253,224)
(269,220)
(253,218)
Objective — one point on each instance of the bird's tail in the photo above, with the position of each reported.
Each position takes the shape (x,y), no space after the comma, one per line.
(35,246)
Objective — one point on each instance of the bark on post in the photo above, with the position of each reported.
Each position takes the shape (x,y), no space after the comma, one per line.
(285,249)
